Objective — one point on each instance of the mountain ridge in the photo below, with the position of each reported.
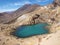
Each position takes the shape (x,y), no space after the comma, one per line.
(27,8)
(20,12)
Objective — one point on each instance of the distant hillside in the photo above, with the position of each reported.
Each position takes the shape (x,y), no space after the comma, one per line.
(27,8)
(23,10)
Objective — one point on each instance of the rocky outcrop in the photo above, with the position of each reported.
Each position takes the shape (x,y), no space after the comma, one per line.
(41,14)
(57,2)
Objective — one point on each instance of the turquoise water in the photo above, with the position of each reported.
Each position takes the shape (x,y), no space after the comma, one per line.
(31,30)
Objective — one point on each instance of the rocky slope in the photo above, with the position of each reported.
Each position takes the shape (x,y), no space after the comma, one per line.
(13,16)
(57,2)
(41,14)
(4,17)
(28,8)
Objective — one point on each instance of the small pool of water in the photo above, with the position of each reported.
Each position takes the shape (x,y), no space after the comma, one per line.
(31,30)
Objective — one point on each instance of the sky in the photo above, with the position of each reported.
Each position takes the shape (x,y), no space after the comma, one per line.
(12,5)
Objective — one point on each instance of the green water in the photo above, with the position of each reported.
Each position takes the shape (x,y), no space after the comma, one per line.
(31,30)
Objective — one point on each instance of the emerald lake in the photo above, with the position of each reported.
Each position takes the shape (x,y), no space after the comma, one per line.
(31,30)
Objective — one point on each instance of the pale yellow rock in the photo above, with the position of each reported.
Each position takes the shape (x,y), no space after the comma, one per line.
(52,39)
(58,9)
